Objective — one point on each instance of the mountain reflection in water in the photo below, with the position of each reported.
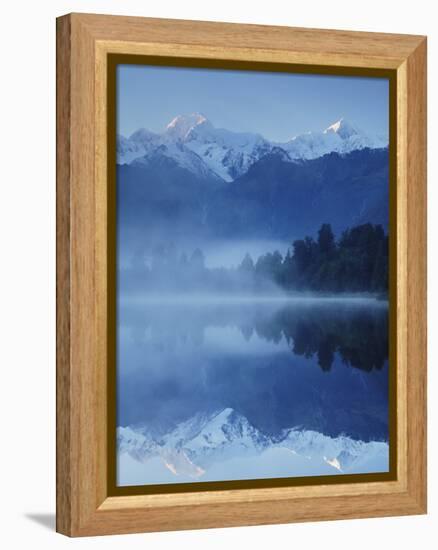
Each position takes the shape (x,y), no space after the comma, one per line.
(284,372)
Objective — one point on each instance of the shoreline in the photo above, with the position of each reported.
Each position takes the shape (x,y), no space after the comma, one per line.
(248,299)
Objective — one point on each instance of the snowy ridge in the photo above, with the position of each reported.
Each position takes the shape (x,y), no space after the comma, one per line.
(179,154)
(228,154)
(341,137)
(136,146)
(203,444)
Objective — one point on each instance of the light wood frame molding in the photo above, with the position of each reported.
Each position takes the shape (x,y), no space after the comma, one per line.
(83,44)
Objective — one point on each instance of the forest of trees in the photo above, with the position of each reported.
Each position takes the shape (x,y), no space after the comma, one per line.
(356,262)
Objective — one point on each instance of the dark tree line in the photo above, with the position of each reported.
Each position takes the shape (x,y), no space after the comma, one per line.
(356,262)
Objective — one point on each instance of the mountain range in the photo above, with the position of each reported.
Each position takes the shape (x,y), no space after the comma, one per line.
(195,144)
(200,183)
(194,450)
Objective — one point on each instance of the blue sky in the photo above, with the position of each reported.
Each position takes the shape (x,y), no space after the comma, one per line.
(276,105)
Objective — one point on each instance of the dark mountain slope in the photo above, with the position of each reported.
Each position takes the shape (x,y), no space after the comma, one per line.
(276,198)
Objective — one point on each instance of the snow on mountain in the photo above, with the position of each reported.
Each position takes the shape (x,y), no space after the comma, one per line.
(179,127)
(342,128)
(200,447)
(194,143)
(209,150)
(139,144)
(341,137)
(354,138)
(228,154)
(181,155)
(128,150)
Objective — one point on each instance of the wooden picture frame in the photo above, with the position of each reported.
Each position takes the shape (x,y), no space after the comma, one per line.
(85,506)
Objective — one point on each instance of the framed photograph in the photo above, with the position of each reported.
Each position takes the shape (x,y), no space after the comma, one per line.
(241,274)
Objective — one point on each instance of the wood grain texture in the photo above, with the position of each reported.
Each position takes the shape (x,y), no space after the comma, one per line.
(417,284)
(63,402)
(389,48)
(77,366)
(83,43)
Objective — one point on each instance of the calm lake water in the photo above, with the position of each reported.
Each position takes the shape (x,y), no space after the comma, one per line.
(242,389)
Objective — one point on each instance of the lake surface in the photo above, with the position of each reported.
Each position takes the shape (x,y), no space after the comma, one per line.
(223,389)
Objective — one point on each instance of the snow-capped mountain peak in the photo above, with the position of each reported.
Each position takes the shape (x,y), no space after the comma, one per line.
(195,144)
(181,125)
(341,137)
(343,129)
(142,135)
